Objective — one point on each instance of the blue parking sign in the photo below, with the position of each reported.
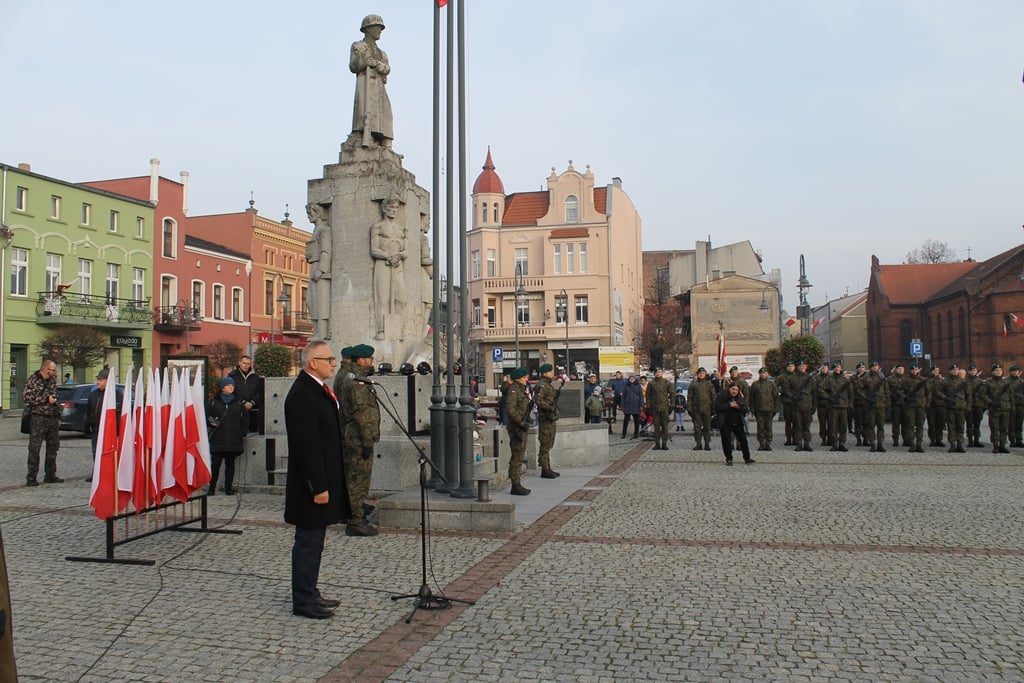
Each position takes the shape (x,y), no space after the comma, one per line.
(916,348)
(497,354)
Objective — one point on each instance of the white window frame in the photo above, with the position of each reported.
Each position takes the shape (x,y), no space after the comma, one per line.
(115,217)
(218,301)
(168,290)
(19,271)
(138,284)
(476,313)
(582,306)
(570,257)
(140,227)
(238,304)
(572,209)
(54,263)
(198,302)
(523,312)
(492,259)
(113,283)
(474,259)
(583,257)
(556,259)
(55,206)
(86,213)
(84,277)
(523,260)
(21,199)
(173,235)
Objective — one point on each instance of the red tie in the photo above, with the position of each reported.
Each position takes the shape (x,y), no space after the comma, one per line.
(330,392)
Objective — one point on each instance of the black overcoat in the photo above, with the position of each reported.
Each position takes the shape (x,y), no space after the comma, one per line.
(314,456)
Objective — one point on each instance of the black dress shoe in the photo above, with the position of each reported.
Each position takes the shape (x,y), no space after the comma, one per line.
(312,612)
(728,463)
(361,529)
(749,461)
(327,602)
(53,479)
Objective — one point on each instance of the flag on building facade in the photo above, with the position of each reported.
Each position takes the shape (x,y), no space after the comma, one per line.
(814,325)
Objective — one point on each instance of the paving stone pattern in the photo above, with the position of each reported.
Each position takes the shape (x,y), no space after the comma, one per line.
(667,566)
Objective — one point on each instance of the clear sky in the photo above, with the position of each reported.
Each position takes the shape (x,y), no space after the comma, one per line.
(837,129)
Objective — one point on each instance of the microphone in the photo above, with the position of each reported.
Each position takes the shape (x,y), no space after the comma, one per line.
(360,378)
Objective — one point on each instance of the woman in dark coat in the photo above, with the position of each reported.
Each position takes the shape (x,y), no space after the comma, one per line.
(229,424)
(632,401)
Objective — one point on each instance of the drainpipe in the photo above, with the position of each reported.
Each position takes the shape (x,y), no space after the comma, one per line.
(3,264)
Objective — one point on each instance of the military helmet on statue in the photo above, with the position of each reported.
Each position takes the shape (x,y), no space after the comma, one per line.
(371,20)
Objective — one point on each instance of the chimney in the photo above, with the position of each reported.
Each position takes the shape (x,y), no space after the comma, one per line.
(25,167)
(154,181)
(184,193)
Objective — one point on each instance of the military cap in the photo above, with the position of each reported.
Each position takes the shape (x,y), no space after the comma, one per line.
(913,366)
(760,370)
(103,374)
(547,367)
(734,369)
(873,364)
(954,366)
(700,370)
(837,363)
(860,364)
(789,362)
(346,352)
(801,362)
(1014,367)
(935,368)
(518,372)
(361,351)
(972,366)
(997,366)
(898,365)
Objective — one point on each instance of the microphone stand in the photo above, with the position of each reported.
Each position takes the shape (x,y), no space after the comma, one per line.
(424,598)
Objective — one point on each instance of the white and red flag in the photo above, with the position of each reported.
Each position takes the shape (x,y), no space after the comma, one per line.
(153,436)
(174,473)
(141,498)
(126,440)
(104,496)
(197,444)
(722,372)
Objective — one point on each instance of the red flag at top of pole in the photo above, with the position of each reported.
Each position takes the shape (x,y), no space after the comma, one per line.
(442,3)
(104,496)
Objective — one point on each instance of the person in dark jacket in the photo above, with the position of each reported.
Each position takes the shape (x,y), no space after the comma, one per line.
(228,424)
(315,492)
(631,402)
(249,391)
(730,408)
(94,410)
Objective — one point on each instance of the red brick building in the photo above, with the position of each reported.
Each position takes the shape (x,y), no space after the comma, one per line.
(962,312)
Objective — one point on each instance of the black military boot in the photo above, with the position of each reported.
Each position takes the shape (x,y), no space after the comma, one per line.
(549,474)
(518,489)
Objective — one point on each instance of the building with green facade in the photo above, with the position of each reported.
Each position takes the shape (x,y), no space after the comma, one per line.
(73,257)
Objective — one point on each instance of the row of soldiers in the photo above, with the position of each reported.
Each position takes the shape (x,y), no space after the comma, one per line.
(952,406)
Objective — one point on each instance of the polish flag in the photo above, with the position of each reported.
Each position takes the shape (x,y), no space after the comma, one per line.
(1019,322)
(1006,325)
(104,496)
(721,355)
(816,323)
(174,474)
(197,443)
(442,3)
(126,440)
(153,436)
(140,478)
(790,322)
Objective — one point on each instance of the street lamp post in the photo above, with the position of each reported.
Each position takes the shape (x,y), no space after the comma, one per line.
(519,294)
(282,299)
(564,298)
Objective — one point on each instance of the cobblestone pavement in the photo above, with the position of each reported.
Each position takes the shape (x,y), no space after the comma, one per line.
(666,566)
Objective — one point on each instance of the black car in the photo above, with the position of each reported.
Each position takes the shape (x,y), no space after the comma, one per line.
(74,401)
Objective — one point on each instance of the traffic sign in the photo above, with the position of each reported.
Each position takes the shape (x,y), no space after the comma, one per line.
(916,348)
(498,354)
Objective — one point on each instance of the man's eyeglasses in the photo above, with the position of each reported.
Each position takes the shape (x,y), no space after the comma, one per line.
(329,359)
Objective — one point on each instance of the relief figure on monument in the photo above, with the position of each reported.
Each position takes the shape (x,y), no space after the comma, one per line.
(371,114)
(318,255)
(388,249)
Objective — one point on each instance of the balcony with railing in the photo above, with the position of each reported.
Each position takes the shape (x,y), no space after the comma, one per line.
(177,317)
(61,308)
(296,323)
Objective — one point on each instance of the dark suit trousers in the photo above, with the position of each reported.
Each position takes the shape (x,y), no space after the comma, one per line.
(306,554)
(738,430)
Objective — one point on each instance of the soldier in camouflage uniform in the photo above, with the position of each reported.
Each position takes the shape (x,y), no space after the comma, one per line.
(936,408)
(915,405)
(660,400)
(997,397)
(955,393)
(40,399)
(786,396)
(821,399)
(874,391)
(976,408)
(360,417)
(895,384)
(518,405)
(700,399)
(838,389)
(859,416)
(764,401)
(1017,411)
(802,389)
(546,398)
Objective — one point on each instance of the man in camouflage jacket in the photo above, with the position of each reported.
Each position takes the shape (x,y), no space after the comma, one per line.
(360,418)
(546,397)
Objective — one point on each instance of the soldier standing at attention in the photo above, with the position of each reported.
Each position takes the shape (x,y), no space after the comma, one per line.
(546,397)
(895,383)
(915,402)
(360,415)
(976,407)
(839,390)
(955,392)
(40,397)
(660,399)
(936,408)
(858,419)
(997,398)
(875,390)
(764,401)
(821,399)
(802,387)
(1017,411)
(699,400)
(517,403)
(786,395)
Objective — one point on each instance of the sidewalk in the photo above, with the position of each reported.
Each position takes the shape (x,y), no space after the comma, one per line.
(664,565)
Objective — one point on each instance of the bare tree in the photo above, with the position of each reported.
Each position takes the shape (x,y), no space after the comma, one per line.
(932,251)
(223,353)
(76,345)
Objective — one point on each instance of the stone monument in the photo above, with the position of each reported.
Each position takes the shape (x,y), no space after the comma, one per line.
(373,283)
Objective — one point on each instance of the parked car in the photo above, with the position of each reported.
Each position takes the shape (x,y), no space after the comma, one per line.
(74,401)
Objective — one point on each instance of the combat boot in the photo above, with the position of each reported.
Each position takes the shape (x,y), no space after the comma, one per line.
(518,489)
(881,448)
(549,474)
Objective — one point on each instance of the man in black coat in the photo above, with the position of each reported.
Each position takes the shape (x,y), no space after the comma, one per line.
(731,407)
(249,390)
(315,493)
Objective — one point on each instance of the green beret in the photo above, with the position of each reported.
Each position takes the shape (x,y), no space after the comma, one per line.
(547,367)
(789,362)
(518,372)
(874,364)
(346,352)
(361,351)
(1014,367)
(972,366)
(801,362)
(700,370)
(997,366)
(837,363)
(954,367)
(860,365)
(913,366)
(762,370)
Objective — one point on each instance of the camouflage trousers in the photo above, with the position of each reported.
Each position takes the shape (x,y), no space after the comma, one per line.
(358,471)
(973,419)
(874,430)
(936,424)
(788,416)
(764,427)
(913,425)
(661,420)
(955,426)
(838,422)
(701,427)
(546,439)
(898,414)
(44,428)
(824,422)
(517,442)
(998,426)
